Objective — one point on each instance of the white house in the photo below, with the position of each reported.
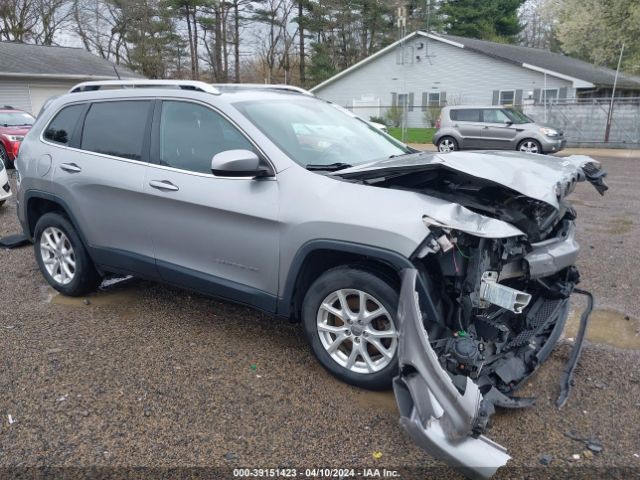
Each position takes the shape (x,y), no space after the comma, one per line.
(29,74)
(425,70)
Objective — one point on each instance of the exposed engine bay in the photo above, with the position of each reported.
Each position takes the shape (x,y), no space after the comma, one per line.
(480,312)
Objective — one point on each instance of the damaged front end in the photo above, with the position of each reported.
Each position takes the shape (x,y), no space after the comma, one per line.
(475,322)
(489,295)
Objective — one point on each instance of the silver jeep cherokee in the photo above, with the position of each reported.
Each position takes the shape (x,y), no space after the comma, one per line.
(270,197)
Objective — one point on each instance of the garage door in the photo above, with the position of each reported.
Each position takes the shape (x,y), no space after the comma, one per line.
(41,93)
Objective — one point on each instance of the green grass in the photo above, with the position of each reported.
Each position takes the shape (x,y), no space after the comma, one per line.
(413,135)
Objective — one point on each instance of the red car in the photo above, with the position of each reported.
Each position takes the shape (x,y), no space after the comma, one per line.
(14,125)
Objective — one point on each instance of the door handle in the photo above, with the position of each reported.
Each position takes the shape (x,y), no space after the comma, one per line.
(164,185)
(70,167)
(485,128)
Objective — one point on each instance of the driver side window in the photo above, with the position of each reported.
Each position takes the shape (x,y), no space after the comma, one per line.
(494,115)
(191,134)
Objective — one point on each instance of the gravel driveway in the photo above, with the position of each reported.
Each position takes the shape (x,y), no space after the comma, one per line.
(146,375)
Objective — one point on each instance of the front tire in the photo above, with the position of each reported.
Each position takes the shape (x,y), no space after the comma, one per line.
(348,316)
(529,145)
(447,144)
(62,257)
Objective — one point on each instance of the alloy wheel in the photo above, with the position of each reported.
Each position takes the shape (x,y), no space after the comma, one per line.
(529,147)
(357,331)
(57,255)
(447,145)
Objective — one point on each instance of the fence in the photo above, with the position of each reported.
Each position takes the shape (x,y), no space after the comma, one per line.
(583,120)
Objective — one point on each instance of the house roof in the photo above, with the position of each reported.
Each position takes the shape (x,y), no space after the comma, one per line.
(25,60)
(547,60)
(582,74)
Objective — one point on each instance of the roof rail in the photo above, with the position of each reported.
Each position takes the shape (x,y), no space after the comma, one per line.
(265,86)
(181,84)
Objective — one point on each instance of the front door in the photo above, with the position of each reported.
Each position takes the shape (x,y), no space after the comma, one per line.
(212,234)
(499,132)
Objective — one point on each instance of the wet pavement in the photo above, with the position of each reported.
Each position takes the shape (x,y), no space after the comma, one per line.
(146,375)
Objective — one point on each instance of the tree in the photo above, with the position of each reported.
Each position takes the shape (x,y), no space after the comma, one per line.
(539,21)
(495,20)
(33,20)
(594,30)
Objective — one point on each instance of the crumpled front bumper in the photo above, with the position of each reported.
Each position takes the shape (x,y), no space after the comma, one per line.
(554,255)
(432,410)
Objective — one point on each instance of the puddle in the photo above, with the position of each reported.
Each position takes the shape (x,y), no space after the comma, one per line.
(606,326)
(122,294)
(376,400)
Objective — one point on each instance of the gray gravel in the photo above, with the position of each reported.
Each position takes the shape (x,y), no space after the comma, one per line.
(146,375)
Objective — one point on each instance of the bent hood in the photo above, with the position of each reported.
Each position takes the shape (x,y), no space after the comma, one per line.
(541,177)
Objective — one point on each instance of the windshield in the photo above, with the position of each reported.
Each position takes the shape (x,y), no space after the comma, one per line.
(15,119)
(316,133)
(517,116)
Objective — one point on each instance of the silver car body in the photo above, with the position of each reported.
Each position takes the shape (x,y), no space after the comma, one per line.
(488,133)
(246,239)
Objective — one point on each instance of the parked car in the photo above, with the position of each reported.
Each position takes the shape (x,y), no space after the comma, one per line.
(494,128)
(5,188)
(379,126)
(276,199)
(14,125)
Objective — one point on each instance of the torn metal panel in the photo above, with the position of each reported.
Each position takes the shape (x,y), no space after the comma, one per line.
(433,412)
(555,254)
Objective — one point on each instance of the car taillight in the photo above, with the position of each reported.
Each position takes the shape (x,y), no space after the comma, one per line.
(16,149)
(438,123)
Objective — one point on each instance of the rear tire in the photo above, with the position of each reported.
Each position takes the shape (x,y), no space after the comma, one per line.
(2,202)
(62,257)
(447,144)
(352,344)
(529,145)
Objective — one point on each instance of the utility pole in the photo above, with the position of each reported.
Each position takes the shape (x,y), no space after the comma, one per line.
(613,94)
(402,31)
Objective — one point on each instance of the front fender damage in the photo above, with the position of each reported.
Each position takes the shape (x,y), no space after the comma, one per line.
(433,412)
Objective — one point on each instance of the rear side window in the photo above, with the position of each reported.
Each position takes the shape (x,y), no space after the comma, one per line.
(191,134)
(116,128)
(63,125)
(466,114)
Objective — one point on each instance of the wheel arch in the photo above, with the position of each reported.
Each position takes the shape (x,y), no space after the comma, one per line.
(318,256)
(37,203)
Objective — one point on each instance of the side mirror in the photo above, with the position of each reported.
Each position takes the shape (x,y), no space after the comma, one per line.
(238,163)
(508,123)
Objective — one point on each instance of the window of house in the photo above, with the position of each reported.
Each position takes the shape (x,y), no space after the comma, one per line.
(116,128)
(466,114)
(61,128)
(507,97)
(434,99)
(550,95)
(191,135)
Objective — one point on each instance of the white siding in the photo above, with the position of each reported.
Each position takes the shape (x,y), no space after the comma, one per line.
(30,94)
(467,77)
(15,94)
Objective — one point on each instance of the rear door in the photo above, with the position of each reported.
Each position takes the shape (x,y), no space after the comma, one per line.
(499,132)
(212,234)
(468,122)
(99,166)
